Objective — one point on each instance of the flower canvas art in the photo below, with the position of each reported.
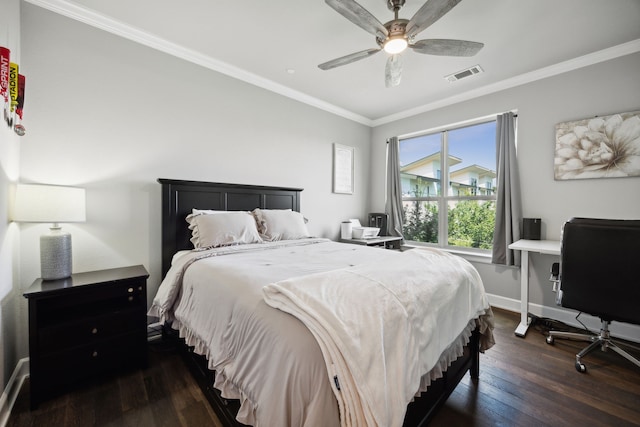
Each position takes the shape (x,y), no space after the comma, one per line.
(599,147)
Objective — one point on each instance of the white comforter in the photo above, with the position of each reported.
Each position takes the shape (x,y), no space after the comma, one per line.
(267,358)
(374,323)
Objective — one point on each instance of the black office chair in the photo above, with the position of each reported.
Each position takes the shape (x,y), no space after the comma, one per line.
(599,274)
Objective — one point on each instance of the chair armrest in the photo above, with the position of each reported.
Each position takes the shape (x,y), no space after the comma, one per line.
(555,275)
(555,270)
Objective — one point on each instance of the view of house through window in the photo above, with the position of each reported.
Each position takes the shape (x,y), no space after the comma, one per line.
(449,186)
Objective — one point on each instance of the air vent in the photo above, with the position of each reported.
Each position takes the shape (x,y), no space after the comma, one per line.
(476,69)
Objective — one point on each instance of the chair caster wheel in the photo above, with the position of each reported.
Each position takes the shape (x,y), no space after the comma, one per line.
(550,339)
(580,367)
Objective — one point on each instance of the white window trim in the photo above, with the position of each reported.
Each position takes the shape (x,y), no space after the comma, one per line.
(471,254)
(454,126)
(482,256)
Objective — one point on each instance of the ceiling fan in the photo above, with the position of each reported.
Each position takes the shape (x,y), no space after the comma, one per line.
(396,35)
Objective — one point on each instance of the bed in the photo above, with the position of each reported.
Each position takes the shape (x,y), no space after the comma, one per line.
(267,365)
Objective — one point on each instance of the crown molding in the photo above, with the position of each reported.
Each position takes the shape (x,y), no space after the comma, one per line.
(532,76)
(113,26)
(119,28)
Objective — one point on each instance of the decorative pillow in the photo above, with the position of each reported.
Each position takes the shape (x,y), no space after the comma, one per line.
(195,212)
(222,229)
(280,224)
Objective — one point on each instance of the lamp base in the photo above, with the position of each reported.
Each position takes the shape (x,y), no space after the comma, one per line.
(55,255)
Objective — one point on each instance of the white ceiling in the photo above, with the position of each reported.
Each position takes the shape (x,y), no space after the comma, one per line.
(259,41)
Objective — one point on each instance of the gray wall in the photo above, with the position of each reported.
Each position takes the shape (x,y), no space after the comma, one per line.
(600,89)
(112,116)
(10,295)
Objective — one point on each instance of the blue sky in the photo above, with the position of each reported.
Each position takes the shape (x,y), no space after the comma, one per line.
(473,144)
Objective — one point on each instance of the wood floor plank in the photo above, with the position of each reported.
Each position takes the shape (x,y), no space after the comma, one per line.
(160,401)
(133,393)
(197,414)
(523,382)
(81,409)
(140,417)
(53,417)
(108,404)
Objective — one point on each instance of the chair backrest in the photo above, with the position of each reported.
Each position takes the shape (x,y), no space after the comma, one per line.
(600,268)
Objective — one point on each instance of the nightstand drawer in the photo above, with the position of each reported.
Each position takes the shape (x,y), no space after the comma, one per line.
(88,330)
(66,367)
(88,302)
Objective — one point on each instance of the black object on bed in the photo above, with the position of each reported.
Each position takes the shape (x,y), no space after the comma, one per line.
(180,197)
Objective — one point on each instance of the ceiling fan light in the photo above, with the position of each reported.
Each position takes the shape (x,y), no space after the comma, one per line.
(395,45)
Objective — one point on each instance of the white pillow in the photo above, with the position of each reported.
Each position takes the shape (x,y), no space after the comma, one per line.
(223,229)
(280,224)
(195,212)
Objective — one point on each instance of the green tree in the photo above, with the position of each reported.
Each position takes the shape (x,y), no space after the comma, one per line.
(421,222)
(471,224)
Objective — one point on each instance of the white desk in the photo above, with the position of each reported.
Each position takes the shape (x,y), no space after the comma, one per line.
(551,247)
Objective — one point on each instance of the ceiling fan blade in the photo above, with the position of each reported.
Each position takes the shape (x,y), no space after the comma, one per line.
(348,59)
(359,16)
(429,13)
(393,71)
(446,47)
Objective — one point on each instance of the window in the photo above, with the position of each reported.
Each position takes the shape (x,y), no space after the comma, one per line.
(462,161)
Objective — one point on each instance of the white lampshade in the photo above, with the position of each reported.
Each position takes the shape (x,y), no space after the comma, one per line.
(53,204)
(49,203)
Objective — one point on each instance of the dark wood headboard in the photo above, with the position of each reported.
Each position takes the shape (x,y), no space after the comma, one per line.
(179,197)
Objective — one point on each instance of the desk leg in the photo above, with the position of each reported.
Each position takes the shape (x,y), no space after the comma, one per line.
(521,330)
(392,245)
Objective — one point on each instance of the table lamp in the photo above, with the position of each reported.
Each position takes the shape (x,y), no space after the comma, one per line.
(54,204)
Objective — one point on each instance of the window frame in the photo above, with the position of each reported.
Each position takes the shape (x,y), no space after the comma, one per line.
(444,198)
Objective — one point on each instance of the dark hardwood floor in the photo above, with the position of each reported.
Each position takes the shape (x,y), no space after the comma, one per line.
(526,382)
(164,394)
(523,382)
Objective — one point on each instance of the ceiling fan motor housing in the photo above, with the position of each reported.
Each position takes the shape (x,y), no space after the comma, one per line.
(397,26)
(396,29)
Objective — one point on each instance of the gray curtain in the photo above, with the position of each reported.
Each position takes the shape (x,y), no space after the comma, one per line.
(509,205)
(394,188)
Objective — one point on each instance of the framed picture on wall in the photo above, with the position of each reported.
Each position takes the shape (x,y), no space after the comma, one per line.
(343,158)
(598,147)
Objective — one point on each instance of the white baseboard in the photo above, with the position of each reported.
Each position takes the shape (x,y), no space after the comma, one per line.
(10,393)
(624,331)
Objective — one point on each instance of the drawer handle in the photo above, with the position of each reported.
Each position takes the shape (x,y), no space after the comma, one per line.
(94,331)
(130,290)
(95,353)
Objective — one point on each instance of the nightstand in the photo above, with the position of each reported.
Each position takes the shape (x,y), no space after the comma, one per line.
(389,242)
(84,326)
